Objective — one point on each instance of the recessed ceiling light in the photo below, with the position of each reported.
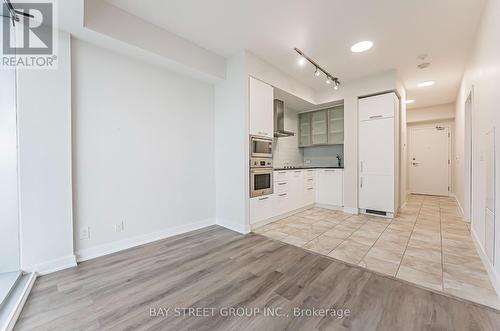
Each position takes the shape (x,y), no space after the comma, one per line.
(409,101)
(362,46)
(301,61)
(317,72)
(427,83)
(329,80)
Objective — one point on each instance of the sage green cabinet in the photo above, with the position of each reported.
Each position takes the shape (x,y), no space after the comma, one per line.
(336,125)
(319,127)
(305,129)
(322,127)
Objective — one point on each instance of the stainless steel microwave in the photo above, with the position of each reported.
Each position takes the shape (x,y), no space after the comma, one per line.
(261,147)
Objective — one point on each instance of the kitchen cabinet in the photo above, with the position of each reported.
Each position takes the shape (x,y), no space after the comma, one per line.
(322,127)
(336,125)
(305,129)
(295,189)
(378,158)
(262,208)
(376,107)
(330,187)
(309,196)
(261,98)
(319,127)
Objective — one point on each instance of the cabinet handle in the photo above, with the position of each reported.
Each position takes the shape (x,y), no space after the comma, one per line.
(311,188)
(265,198)
(263,133)
(282,172)
(281,183)
(376,116)
(297,171)
(361,166)
(282,195)
(310,180)
(361,182)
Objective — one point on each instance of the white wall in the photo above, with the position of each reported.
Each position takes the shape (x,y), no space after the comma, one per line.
(433,113)
(286,149)
(482,73)
(9,222)
(231,141)
(143,151)
(44,133)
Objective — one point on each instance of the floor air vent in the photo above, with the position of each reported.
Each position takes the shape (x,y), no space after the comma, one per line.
(376,212)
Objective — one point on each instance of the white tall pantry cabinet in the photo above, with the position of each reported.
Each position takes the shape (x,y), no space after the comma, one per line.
(379,154)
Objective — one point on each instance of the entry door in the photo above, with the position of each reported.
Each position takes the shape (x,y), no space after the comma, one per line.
(429,160)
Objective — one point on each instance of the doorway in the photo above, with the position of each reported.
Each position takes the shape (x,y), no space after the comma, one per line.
(430,160)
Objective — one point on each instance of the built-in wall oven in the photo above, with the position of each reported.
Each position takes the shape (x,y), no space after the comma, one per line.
(261,147)
(261,182)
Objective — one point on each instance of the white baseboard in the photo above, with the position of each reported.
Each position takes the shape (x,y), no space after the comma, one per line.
(494,277)
(331,207)
(277,218)
(52,265)
(116,246)
(351,210)
(240,228)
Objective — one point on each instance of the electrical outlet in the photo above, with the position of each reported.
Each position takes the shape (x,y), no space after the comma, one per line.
(84,233)
(119,227)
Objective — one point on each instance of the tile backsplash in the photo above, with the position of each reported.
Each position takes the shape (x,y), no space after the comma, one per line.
(322,156)
(286,151)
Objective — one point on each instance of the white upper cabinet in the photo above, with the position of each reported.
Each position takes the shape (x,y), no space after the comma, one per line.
(261,98)
(377,107)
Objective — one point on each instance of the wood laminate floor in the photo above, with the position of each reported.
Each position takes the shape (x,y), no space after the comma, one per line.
(217,269)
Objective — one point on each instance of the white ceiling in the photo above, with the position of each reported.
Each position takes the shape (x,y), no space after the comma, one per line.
(325,30)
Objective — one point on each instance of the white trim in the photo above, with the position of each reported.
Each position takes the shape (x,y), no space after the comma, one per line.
(351,210)
(331,207)
(240,228)
(494,277)
(277,218)
(116,246)
(14,315)
(52,265)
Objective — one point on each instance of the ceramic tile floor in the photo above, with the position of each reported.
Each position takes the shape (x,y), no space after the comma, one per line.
(428,244)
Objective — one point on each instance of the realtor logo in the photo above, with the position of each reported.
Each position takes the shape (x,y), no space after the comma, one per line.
(28,34)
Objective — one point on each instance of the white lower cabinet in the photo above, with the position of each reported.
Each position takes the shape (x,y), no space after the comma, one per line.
(262,208)
(330,187)
(295,189)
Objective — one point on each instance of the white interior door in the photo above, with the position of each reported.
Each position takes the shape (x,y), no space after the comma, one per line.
(429,160)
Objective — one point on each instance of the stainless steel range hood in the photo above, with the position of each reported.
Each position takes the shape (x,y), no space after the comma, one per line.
(279,120)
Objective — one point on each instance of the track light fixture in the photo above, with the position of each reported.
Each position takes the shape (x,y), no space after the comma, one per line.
(330,79)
